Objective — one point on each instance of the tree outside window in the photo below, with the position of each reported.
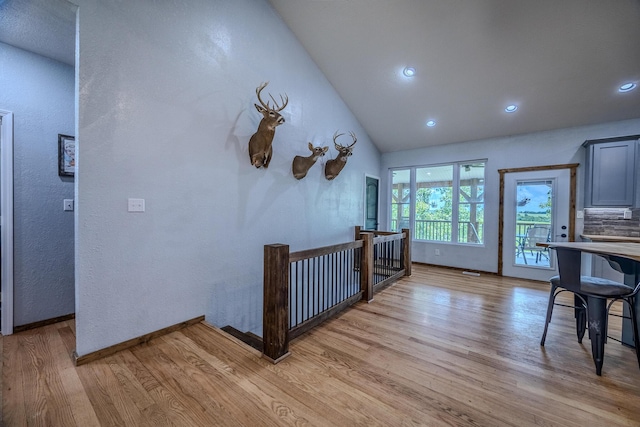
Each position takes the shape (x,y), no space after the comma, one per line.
(448,204)
(434,203)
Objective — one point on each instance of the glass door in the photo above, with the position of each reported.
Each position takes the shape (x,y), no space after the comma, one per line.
(534,204)
(536,210)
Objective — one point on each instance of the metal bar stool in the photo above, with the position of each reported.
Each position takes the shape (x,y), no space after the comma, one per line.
(597,291)
(598,309)
(579,306)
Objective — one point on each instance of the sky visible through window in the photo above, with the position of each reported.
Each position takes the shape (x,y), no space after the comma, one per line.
(533,196)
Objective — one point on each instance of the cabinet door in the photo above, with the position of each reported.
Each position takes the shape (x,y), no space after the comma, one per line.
(612,173)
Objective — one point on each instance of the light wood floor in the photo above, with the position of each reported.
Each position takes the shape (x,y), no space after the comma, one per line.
(438,348)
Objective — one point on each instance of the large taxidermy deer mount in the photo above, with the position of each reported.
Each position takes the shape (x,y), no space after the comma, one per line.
(333,167)
(301,165)
(260,150)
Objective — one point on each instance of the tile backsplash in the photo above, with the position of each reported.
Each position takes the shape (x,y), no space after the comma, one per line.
(611,222)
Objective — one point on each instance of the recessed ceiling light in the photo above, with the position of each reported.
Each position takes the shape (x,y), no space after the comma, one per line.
(409,71)
(431,123)
(511,108)
(627,87)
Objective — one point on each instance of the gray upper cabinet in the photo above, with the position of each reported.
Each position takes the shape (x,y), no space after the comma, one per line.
(610,173)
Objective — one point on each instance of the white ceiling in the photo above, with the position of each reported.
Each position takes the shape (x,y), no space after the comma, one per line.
(560,61)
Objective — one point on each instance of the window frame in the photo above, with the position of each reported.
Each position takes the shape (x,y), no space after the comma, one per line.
(455,208)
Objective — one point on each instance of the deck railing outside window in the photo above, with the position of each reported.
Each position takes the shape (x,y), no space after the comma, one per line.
(440,230)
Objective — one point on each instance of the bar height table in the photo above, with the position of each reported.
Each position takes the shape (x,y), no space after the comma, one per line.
(624,257)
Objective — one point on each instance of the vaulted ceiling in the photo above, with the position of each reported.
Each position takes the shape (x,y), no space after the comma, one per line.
(561,62)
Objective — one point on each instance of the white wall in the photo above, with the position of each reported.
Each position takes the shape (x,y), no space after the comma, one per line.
(544,148)
(40,93)
(166,94)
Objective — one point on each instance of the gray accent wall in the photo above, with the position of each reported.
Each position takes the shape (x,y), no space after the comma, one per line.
(40,93)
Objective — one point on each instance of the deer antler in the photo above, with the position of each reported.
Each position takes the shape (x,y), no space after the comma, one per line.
(285,100)
(353,136)
(258,90)
(266,105)
(335,136)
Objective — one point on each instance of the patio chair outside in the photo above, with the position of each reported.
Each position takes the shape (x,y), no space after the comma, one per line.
(536,234)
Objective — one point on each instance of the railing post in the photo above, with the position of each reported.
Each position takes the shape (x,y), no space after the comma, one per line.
(366,267)
(358,236)
(275,308)
(406,251)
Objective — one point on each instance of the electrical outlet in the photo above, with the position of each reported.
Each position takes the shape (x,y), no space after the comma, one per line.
(437,252)
(136,205)
(68,204)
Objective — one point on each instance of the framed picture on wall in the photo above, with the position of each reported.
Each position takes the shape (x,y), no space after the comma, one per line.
(66,155)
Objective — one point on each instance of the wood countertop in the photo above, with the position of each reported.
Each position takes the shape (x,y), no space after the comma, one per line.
(604,238)
(621,249)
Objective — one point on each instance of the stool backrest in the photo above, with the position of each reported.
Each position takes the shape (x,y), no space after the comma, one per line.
(569,268)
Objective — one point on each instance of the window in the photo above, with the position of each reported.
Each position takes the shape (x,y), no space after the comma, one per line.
(400,199)
(471,203)
(434,203)
(448,205)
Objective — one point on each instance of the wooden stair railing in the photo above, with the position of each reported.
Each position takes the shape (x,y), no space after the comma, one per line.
(275,307)
(277,330)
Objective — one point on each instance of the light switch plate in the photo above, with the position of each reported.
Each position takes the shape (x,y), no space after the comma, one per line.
(136,205)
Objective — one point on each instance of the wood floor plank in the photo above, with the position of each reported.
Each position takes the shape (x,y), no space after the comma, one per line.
(287,400)
(195,405)
(134,389)
(150,401)
(438,349)
(219,379)
(412,372)
(77,400)
(385,384)
(44,388)
(13,407)
(101,388)
(363,407)
(218,391)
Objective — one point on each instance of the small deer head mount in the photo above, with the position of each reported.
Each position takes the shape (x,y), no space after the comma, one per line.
(301,165)
(333,167)
(260,150)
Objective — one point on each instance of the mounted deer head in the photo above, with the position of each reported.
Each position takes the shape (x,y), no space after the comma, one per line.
(301,165)
(334,166)
(260,149)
